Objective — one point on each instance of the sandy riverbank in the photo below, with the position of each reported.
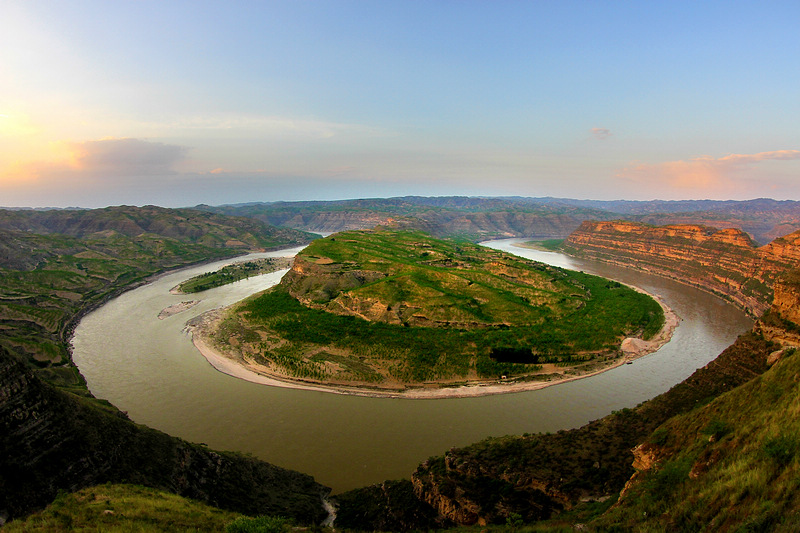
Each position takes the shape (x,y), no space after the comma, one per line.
(631,348)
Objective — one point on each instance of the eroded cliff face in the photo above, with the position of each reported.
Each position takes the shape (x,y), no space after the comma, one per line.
(781,324)
(726,262)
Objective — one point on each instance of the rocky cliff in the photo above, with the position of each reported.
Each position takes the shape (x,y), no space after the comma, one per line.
(53,441)
(781,323)
(726,262)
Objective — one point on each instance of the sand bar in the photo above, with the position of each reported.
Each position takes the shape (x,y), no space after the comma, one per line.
(174,309)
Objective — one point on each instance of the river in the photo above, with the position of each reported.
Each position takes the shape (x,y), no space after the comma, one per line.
(149,368)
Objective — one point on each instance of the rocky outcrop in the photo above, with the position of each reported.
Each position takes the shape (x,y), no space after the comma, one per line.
(787,297)
(53,441)
(387,506)
(318,282)
(781,323)
(726,262)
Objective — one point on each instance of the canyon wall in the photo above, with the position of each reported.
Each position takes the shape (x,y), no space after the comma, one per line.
(726,262)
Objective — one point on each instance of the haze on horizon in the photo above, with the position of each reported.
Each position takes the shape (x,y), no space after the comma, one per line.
(180,103)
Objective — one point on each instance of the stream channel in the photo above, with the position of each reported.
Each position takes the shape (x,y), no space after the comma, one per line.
(150,368)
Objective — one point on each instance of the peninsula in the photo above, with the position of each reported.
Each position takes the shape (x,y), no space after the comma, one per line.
(400,313)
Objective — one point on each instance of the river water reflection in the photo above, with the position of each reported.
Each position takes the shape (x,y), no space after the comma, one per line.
(149,368)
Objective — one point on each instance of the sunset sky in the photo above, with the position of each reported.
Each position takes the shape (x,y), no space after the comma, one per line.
(180,103)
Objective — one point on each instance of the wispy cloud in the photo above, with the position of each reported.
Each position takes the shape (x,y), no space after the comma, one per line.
(705,173)
(98,161)
(600,133)
(125,157)
(260,126)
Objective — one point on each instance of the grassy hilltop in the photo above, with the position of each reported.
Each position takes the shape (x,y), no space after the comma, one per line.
(392,308)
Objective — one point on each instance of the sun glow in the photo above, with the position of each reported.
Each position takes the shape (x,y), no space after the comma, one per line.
(25,152)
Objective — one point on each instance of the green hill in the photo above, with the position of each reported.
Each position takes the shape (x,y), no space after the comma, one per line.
(395,308)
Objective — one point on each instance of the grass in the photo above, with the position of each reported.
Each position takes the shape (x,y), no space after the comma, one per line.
(124,509)
(742,451)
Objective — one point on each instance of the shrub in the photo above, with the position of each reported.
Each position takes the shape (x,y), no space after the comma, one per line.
(781,448)
(259,524)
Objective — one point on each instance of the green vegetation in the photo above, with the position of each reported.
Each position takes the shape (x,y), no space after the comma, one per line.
(259,524)
(233,273)
(123,509)
(435,310)
(737,475)
(552,245)
(131,508)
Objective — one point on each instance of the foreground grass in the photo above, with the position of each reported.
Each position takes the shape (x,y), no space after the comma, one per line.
(125,508)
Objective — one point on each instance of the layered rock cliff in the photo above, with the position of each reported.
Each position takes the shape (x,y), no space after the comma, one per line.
(781,323)
(726,262)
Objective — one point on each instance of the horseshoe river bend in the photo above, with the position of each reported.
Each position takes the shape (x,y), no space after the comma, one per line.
(149,367)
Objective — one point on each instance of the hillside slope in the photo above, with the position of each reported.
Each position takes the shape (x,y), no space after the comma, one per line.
(52,441)
(733,464)
(57,265)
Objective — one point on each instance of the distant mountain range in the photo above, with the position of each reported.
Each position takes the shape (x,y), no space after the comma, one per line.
(483,218)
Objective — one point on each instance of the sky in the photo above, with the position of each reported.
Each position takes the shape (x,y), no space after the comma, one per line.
(180,103)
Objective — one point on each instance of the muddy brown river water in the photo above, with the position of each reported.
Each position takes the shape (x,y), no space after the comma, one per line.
(149,368)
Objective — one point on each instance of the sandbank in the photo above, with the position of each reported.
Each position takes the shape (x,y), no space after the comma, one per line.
(179,307)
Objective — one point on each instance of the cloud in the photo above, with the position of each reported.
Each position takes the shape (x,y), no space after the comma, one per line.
(125,157)
(278,127)
(780,155)
(705,174)
(600,133)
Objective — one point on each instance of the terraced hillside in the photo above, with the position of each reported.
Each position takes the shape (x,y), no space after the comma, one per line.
(56,265)
(389,308)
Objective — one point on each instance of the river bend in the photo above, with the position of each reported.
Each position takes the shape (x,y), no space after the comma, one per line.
(149,368)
